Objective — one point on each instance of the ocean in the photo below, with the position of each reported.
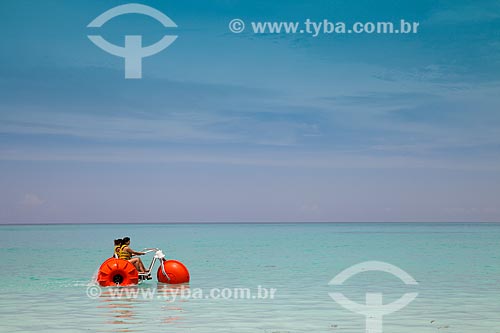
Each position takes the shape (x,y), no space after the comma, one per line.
(254,278)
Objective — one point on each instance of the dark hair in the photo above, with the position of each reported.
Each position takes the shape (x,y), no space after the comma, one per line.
(125,239)
(118,241)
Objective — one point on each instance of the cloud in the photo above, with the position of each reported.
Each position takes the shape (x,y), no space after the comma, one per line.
(377,158)
(444,75)
(311,208)
(155,110)
(32,200)
(485,11)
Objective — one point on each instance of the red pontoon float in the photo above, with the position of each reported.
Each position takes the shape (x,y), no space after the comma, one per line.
(120,272)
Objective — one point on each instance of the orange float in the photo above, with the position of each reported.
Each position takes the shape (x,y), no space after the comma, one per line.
(115,272)
(172,272)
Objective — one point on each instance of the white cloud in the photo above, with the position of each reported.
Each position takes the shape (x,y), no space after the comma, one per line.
(32,200)
(311,208)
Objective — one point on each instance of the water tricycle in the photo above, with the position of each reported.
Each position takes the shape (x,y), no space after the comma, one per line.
(120,272)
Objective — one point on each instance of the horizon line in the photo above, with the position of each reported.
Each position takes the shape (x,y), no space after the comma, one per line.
(255,222)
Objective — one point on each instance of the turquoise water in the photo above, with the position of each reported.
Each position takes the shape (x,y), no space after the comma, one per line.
(46,272)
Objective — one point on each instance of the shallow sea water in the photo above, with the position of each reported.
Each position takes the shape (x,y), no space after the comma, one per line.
(46,273)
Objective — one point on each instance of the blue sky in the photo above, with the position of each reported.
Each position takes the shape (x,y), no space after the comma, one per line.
(244,127)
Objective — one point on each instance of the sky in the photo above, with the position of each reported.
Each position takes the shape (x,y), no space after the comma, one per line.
(245,127)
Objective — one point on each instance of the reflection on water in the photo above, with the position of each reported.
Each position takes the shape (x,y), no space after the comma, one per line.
(132,309)
(173,295)
(172,292)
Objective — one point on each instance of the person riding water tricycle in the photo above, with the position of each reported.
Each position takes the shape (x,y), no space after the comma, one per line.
(123,251)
